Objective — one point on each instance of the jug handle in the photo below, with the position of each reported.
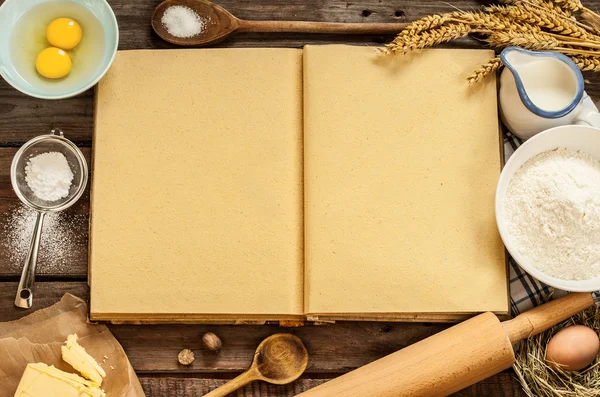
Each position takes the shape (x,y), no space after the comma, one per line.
(588,117)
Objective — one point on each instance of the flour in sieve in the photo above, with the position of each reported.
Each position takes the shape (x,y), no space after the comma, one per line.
(552,207)
(49,176)
(61,245)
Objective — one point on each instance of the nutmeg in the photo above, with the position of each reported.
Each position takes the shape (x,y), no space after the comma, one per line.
(211,342)
(185,357)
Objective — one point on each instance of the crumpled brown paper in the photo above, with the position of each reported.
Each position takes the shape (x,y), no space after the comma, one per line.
(38,337)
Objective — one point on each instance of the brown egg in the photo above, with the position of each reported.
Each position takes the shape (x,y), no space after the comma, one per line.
(573,348)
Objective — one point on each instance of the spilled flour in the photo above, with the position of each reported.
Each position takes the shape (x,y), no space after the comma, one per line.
(61,245)
(552,207)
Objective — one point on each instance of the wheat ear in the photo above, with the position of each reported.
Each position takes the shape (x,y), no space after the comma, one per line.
(573,5)
(549,5)
(426,23)
(587,63)
(489,21)
(533,41)
(485,70)
(541,17)
(413,30)
(428,38)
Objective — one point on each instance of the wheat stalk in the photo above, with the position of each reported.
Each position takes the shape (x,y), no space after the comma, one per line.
(484,70)
(577,51)
(532,24)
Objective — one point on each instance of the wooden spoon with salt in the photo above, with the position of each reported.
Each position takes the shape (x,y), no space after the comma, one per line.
(279,359)
(221,24)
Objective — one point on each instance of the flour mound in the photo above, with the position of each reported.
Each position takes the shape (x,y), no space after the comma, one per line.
(49,176)
(552,208)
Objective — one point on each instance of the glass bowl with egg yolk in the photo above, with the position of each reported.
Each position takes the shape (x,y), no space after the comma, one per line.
(84,30)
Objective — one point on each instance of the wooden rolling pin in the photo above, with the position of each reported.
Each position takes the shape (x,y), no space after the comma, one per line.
(452,359)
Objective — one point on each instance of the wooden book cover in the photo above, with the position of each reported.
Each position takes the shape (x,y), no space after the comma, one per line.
(236,185)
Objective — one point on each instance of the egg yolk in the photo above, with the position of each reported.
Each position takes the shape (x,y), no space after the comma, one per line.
(53,63)
(64,33)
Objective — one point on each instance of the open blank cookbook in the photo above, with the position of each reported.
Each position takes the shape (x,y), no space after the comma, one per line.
(329,183)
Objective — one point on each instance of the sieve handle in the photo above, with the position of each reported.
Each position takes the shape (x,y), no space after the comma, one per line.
(24,296)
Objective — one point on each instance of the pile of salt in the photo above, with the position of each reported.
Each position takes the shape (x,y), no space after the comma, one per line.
(183,22)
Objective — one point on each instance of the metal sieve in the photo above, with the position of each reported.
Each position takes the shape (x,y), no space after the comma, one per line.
(53,142)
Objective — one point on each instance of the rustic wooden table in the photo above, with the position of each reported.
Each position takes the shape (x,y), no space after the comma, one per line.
(334,349)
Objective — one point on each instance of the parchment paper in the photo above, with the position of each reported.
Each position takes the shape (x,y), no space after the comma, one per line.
(38,337)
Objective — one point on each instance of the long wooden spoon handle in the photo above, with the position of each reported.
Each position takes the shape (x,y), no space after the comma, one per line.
(234,384)
(319,27)
(541,318)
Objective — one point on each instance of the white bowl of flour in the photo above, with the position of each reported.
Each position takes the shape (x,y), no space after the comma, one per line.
(548,207)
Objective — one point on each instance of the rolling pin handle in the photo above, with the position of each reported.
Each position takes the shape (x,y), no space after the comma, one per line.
(547,315)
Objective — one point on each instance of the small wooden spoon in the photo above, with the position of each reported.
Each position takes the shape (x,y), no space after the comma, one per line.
(221,24)
(279,359)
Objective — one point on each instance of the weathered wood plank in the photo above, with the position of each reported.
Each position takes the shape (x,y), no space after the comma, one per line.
(44,294)
(22,117)
(333,348)
(63,249)
(503,384)
(152,349)
(172,387)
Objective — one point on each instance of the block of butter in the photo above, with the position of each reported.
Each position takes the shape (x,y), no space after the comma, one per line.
(76,356)
(41,380)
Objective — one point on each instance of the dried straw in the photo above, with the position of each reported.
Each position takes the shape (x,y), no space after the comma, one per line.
(540,380)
